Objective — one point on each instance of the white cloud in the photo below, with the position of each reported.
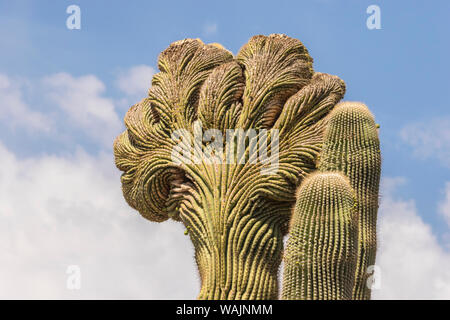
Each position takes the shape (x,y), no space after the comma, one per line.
(15,112)
(70,104)
(429,139)
(81,98)
(444,206)
(413,263)
(58,211)
(210,29)
(136,80)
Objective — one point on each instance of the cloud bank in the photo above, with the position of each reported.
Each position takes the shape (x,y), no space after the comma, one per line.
(82,101)
(15,112)
(58,211)
(413,263)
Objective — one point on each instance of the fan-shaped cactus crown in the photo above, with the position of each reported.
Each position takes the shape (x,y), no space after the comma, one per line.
(205,82)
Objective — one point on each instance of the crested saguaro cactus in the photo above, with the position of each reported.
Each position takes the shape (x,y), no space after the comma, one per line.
(237,196)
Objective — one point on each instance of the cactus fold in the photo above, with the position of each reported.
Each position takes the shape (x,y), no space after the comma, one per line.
(235,213)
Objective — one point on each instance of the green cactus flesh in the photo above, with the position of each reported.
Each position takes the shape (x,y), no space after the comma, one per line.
(320,254)
(351,146)
(235,216)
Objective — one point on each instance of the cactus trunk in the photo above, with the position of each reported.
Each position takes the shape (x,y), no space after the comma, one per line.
(242,263)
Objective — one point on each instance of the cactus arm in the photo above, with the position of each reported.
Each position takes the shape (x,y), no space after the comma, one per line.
(352,147)
(320,256)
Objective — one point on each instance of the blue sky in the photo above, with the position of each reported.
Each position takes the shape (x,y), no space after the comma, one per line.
(400,72)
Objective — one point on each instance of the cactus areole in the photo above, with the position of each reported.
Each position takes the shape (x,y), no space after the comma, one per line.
(298,163)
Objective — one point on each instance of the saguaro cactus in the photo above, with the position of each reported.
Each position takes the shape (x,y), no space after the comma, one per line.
(235,195)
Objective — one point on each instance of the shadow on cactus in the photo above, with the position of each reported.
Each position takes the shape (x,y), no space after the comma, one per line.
(323,191)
